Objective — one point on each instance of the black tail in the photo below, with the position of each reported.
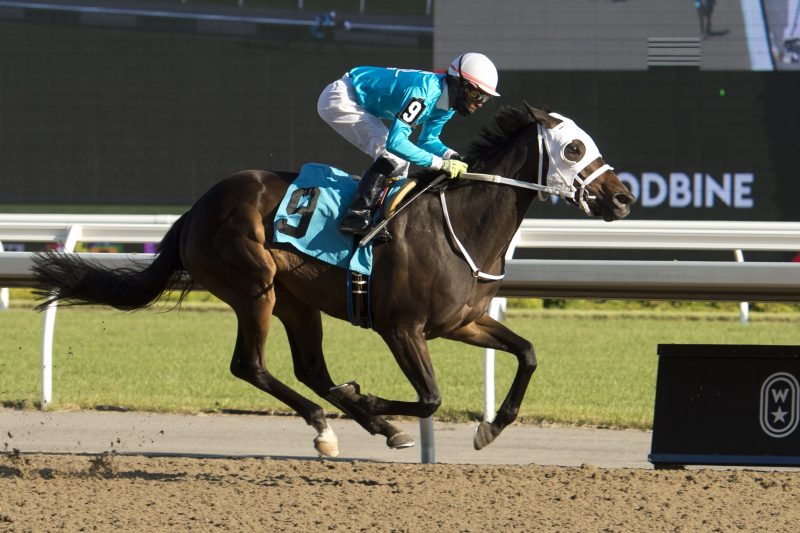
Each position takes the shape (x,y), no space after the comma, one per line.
(61,277)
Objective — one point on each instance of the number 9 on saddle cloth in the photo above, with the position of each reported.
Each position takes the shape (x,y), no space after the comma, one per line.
(308,216)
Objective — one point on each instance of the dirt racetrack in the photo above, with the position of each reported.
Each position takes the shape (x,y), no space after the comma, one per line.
(136,493)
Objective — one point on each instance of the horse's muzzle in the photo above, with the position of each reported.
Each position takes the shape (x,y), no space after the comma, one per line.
(615,207)
(621,205)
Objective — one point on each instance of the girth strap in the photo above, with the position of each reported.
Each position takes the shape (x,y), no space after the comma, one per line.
(358,310)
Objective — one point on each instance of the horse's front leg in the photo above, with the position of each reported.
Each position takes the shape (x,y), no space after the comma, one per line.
(410,350)
(487,332)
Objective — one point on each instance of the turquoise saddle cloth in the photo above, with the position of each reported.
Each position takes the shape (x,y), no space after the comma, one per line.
(308,218)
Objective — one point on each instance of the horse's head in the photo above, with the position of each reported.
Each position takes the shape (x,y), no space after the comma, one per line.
(574,164)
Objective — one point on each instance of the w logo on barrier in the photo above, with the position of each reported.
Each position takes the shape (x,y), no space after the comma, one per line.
(780,405)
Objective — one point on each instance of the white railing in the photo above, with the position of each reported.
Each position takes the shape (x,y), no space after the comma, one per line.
(660,235)
(69,230)
(673,280)
(84,228)
(683,280)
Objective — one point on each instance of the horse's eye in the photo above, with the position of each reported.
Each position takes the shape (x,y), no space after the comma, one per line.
(573,151)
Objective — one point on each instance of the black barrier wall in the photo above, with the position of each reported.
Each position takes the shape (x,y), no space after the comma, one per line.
(92,115)
(691,144)
(127,116)
(727,404)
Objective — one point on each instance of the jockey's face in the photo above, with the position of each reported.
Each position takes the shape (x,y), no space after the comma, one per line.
(465,97)
(474,97)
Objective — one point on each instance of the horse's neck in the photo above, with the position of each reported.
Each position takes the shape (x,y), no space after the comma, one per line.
(488,215)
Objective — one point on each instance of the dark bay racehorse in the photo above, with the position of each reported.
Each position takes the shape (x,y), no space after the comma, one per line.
(422,285)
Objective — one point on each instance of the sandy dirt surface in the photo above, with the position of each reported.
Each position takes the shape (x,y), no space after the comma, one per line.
(135,493)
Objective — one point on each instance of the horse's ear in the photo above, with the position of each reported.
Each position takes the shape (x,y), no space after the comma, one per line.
(541,116)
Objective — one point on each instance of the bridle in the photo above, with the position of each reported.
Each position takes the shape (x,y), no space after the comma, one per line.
(560,182)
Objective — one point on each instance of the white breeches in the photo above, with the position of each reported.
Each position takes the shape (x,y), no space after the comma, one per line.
(338,107)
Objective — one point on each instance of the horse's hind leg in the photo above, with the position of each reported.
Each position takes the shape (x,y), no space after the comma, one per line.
(487,332)
(248,365)
(229,260)
(303,326)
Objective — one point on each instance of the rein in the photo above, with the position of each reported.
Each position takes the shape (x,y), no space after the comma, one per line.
(557,184)
(493,178)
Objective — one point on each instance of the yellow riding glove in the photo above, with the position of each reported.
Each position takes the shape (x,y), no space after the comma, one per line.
(453,168)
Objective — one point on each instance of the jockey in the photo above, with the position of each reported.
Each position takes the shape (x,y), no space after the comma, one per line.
(355,105)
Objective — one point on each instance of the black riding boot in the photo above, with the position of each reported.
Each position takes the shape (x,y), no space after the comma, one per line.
(358,219)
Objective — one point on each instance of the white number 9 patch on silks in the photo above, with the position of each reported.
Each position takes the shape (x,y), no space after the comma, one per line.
(412,111)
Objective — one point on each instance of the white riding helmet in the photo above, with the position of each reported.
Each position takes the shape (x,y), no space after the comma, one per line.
(477,69)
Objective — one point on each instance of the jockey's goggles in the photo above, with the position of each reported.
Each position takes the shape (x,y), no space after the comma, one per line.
(474,94)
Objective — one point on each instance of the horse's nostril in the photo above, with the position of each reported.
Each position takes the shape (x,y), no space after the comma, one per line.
(624,199)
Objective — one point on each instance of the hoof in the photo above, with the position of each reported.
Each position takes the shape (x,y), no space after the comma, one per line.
(400,440)
(326,448)
(327,443)
(485,434)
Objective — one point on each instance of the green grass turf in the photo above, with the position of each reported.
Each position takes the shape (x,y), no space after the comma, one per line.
(594,368)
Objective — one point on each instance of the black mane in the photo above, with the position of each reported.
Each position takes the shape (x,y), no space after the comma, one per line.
(491,139)
(508,122)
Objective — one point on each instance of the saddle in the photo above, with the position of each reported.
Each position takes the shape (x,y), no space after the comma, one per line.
(307,217)
(396,190)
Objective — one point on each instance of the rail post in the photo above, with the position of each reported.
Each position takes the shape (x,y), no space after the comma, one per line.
(744,307)
(49,325)
(3,290)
